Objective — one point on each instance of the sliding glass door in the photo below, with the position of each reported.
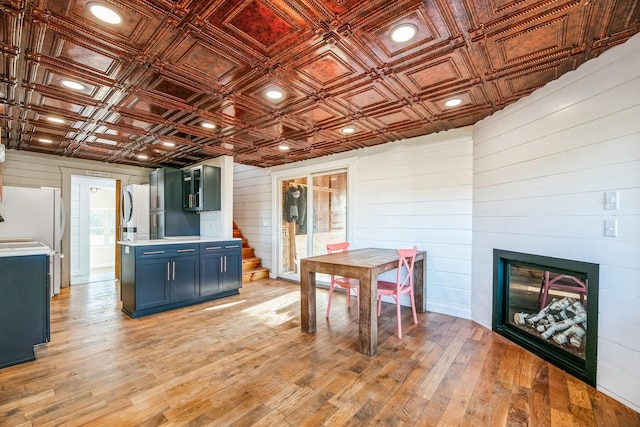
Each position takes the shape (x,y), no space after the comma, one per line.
(313,213)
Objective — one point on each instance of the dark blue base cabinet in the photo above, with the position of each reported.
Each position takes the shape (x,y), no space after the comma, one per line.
(157,278)
(24,307)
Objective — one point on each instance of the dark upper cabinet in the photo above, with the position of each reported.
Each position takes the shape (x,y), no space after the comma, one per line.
(201,188)
(167,218)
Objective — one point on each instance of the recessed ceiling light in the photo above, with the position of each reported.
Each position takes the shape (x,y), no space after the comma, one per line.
(208,125)
(48,141)
(274,94)
(55,120)
(105,14)
(283,147)
(168,144)
(348,130)
(403,33)
(143,156)
(453,102)
(72,85)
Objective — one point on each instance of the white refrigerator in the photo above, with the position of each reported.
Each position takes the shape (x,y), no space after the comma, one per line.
(34,214)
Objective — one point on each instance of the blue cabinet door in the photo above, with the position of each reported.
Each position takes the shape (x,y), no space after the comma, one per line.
(152,282)
(210,267)
(231,277)
(24,307)
(184,278)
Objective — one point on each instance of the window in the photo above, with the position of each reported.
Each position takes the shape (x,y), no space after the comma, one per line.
(102,227)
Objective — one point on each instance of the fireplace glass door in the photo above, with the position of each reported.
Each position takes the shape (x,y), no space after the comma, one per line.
(550,307)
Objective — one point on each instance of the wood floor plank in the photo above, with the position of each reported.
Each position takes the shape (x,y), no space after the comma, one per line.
(243,361)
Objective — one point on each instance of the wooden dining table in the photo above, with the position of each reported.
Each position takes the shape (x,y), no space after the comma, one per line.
(364,265)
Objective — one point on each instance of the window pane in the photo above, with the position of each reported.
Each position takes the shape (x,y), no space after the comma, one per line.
(96,227)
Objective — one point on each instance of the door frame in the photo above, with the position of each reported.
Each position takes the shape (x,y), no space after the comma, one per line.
(278,175)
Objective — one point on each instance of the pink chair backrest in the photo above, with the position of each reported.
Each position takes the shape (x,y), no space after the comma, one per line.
(406,260)
(337,247)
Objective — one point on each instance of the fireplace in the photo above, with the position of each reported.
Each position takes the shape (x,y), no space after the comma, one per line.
(543,304)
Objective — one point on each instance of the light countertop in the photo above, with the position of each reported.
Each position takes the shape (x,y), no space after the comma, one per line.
(173,240)
(23,248)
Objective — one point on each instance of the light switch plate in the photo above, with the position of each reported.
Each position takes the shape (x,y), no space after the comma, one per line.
(611,227)
(611,200)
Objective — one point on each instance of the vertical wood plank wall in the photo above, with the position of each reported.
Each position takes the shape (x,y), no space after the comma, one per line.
(540,170)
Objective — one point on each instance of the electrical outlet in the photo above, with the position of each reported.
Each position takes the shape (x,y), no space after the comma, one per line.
(611,200)
(611,227)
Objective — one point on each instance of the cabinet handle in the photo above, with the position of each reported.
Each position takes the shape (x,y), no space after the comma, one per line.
(186,250)
(174,270)
(213,248)
(168,271)
(232,246)
(225,263)
(152,253)
(221,265)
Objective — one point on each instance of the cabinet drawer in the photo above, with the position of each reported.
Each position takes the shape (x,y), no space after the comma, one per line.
(159,251)
(212,247)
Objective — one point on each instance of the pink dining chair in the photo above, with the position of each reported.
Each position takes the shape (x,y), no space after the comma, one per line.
(402,285)
(343,282)
(562,282)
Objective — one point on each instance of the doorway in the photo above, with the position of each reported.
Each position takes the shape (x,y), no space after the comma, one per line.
(93,229)
(313,213)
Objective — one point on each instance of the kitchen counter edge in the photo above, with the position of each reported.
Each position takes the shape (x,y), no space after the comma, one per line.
(178,241)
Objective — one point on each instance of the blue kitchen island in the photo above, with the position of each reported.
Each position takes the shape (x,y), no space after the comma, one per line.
(24,300)
(163,274)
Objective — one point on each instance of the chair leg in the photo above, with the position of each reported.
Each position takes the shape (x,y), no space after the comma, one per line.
(545,290)
(399,318)
(358,302)
(348,297)
(329,303)
(379,305)
(413,307)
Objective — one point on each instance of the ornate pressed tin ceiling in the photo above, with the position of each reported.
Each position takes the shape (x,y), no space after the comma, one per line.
(149,83)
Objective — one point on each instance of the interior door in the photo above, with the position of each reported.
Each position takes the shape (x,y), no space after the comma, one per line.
(311,216)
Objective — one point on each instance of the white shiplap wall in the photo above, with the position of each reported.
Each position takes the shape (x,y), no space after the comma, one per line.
(411,192)
(252,209)
(418,192)
(540,170)
(24,169)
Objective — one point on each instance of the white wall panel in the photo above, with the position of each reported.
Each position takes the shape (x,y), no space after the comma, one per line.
(422,195)
(25,169)
(252,209)
(541,167)
(412,192)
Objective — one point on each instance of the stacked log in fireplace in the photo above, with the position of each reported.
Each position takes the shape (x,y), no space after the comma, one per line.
(563,320)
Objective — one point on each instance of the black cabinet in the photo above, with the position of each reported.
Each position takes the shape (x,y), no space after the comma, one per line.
(24,307)
(166,216)
(201,188)
(156,278)
(220,267)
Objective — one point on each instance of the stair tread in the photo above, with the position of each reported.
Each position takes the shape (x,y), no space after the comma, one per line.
(252,268)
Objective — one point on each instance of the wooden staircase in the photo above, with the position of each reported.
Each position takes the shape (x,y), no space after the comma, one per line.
(251,265)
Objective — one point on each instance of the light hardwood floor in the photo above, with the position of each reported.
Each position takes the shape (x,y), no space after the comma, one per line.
(243,361)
